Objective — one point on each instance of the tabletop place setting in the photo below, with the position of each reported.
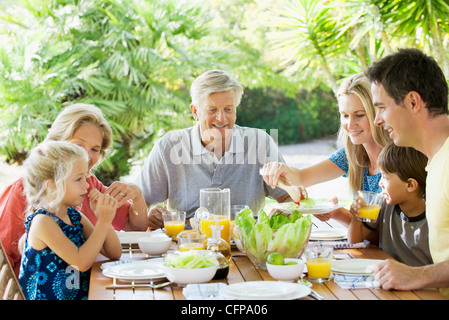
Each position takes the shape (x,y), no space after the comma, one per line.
(228,252)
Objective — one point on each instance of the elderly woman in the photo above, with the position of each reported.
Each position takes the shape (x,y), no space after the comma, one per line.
(84,125)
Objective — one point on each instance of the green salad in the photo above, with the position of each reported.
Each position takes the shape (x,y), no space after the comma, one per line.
(279,233)
(305,204)
(189,260)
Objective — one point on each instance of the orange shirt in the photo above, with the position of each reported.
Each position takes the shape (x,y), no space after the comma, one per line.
(13,210)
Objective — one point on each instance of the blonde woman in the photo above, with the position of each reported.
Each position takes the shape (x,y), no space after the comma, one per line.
(83,125)
(362,143)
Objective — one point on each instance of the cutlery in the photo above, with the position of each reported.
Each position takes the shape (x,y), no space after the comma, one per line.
(313,293)
(140,285)
(316,295)
(295,192)
(211,292)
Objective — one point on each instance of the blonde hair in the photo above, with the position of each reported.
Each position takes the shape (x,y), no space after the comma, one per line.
(213,81)
(71,118)
(50,160)
(358,160)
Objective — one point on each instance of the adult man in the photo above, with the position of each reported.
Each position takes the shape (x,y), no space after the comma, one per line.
(213,153)
(410,93)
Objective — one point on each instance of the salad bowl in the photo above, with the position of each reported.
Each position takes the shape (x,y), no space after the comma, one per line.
(285,235)
(190,267)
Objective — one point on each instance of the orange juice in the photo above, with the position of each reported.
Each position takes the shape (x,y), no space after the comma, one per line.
(370,212)
(191,246)
(172,228)
(222,220)
(319,268)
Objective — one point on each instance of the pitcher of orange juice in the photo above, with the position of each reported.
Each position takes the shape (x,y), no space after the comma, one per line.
(215,204)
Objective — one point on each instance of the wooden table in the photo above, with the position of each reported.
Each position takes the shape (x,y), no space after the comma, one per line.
(241,269)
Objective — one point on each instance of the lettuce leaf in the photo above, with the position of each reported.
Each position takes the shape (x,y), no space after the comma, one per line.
(277,220)
(279,233)
(189,260)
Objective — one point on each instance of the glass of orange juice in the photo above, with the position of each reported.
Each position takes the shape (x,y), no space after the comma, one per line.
(174,222)
(370,205)
(319,262)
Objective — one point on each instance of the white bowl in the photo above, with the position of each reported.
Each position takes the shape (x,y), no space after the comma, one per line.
(286,272)
(186,276)
(155,245)
(128,237)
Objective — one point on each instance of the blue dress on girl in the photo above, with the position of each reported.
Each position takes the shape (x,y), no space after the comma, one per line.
(370,183)
(44,275)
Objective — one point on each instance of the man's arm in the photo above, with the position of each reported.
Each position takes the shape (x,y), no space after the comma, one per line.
(392,274)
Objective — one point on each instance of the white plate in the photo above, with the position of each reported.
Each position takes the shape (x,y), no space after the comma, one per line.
(266,290)
(318,208)
(354,266)
(328,234)
(137,270)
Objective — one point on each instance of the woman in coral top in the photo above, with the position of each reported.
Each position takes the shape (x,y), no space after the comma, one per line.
(84,125)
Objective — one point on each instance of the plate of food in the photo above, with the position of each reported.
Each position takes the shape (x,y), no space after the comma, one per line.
(307,206)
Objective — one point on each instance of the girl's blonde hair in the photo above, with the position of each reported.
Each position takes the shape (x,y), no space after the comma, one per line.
(358,160)
(51,160)
(72,117)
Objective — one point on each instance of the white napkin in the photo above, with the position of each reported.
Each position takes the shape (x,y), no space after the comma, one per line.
(340,244)
(353,281)
(202,291)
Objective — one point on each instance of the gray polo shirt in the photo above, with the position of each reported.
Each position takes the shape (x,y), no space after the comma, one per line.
(179,166)
(404,238)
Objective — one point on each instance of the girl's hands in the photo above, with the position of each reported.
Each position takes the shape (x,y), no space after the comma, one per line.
(106,207)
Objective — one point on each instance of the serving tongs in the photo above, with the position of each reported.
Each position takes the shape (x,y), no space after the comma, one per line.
(297,193)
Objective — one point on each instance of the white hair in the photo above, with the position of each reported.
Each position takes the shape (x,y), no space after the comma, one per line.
(214,81)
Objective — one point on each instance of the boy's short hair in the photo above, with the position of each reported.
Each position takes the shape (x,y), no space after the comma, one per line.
(406,163)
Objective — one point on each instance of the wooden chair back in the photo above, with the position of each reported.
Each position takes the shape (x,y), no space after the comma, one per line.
(9,285)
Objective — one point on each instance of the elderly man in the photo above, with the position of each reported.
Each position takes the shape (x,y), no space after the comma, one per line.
(410,93)
(213,153)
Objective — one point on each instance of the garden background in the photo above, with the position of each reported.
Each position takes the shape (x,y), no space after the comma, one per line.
(136,60)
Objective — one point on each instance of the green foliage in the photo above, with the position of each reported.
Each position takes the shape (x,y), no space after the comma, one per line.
(311,114)
(136,59)
(130,58)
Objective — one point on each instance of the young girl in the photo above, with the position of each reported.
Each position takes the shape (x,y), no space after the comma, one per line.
(401,228)
(60,243)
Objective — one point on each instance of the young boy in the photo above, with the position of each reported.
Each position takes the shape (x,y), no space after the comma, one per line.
(401,228)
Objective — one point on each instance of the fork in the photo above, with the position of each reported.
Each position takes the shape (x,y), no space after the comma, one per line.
(210,291)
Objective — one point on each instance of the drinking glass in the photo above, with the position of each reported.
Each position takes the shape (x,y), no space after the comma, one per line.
(319,261)
(174,222)
(191,241)
(235,210)
(370,205)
